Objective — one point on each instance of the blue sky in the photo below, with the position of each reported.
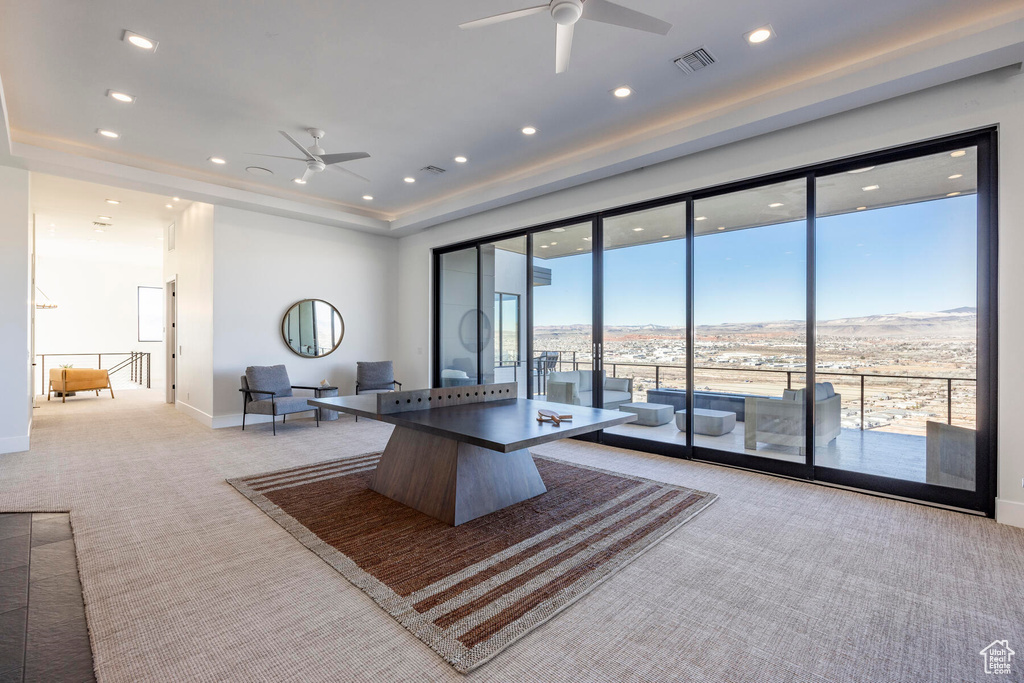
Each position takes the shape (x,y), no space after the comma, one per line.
(915,257)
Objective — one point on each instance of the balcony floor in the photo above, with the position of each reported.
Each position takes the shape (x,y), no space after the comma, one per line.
(899,456)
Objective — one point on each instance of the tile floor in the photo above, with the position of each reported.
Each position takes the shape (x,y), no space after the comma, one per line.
(43,634)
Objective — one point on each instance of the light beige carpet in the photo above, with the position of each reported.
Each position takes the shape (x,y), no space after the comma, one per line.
(778,580)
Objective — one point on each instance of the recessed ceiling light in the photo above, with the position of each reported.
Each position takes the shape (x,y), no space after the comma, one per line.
(958,153)
(97,229)
(543,246)
(579,248)
(169,206)
(721,227)
(298,181)
(759,35)
(409,179)
(775,205)
(622,91)
(869,188)
(956,175)
(586,239)
(113,201)
(638,229)
(861,208)
(461,159)
(664,237)
(139,41)
(108,133)
(177,199)
(104,218)
(861,170)
(701,218)
(259,170)
(121,96)
(557,229)
(217,160)
(952,194)
(529,130)
(368,197)
(554,243)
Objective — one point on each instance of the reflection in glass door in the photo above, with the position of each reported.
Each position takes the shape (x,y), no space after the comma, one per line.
(897,319)
(503,282)
(750,335)
(563,361)
(459,317)
(644,321)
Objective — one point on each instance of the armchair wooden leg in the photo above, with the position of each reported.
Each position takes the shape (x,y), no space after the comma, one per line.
(111,387)
(243,418)
(273,423)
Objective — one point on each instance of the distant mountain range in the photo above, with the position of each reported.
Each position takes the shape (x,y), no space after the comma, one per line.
(956,322)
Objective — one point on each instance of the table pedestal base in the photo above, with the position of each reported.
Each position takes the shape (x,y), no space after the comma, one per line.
(453,481)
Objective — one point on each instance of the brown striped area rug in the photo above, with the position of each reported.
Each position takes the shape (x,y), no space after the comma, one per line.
(470,591)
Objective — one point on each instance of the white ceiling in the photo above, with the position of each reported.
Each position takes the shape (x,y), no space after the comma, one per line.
(66,211)
(399,80)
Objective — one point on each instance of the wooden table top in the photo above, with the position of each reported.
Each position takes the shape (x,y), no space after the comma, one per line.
(502,426)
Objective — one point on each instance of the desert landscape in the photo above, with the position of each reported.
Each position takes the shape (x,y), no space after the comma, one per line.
(908,362)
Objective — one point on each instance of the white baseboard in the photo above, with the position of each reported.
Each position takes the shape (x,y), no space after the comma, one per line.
(222,421)
(14,444)
(1009,512)
(195,413)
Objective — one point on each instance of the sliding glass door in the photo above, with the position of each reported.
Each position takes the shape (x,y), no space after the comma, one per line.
(563,302)
(897,324)
(750,335)
(834,323)
(643,345)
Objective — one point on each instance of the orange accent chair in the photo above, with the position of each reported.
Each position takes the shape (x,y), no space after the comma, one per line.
(65,380)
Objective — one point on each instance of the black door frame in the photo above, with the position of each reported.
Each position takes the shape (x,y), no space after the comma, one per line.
(981,500)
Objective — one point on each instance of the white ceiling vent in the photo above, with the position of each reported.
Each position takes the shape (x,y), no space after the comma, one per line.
(695,61)
(437,170)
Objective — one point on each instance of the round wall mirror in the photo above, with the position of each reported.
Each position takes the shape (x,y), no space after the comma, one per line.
(312,328)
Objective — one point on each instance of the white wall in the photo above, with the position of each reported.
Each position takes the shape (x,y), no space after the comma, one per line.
(993,98)
(191,263)
(15,311)
(263,265)
(97,308)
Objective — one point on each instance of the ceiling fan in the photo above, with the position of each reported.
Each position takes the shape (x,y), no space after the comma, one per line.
(567,12)
(315,158)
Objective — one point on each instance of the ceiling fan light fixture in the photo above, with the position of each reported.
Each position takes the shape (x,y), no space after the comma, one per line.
(566,12)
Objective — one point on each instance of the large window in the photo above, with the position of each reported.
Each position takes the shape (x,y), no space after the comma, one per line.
(833,323)
(151,314)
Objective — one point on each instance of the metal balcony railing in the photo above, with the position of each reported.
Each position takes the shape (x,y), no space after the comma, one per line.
(576,362)
(128,367)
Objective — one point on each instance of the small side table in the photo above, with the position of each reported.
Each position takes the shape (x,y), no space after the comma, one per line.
(327,392)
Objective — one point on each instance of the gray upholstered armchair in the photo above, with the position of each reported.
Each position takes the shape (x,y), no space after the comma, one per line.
(377,377)
(267,390)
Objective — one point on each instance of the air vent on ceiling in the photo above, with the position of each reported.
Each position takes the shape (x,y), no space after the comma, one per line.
(433,169)
(695,61)
(101,225)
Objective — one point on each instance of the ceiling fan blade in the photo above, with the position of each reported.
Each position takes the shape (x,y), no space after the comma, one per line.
(345,170)
(275,156)
(610,13)
(563,45)
(295,142)
(497,18)
(308,174)
(345,156)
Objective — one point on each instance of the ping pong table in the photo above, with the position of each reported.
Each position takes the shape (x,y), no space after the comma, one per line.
(459,453)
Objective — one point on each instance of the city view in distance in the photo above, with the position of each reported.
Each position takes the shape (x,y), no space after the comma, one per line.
(760,358)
